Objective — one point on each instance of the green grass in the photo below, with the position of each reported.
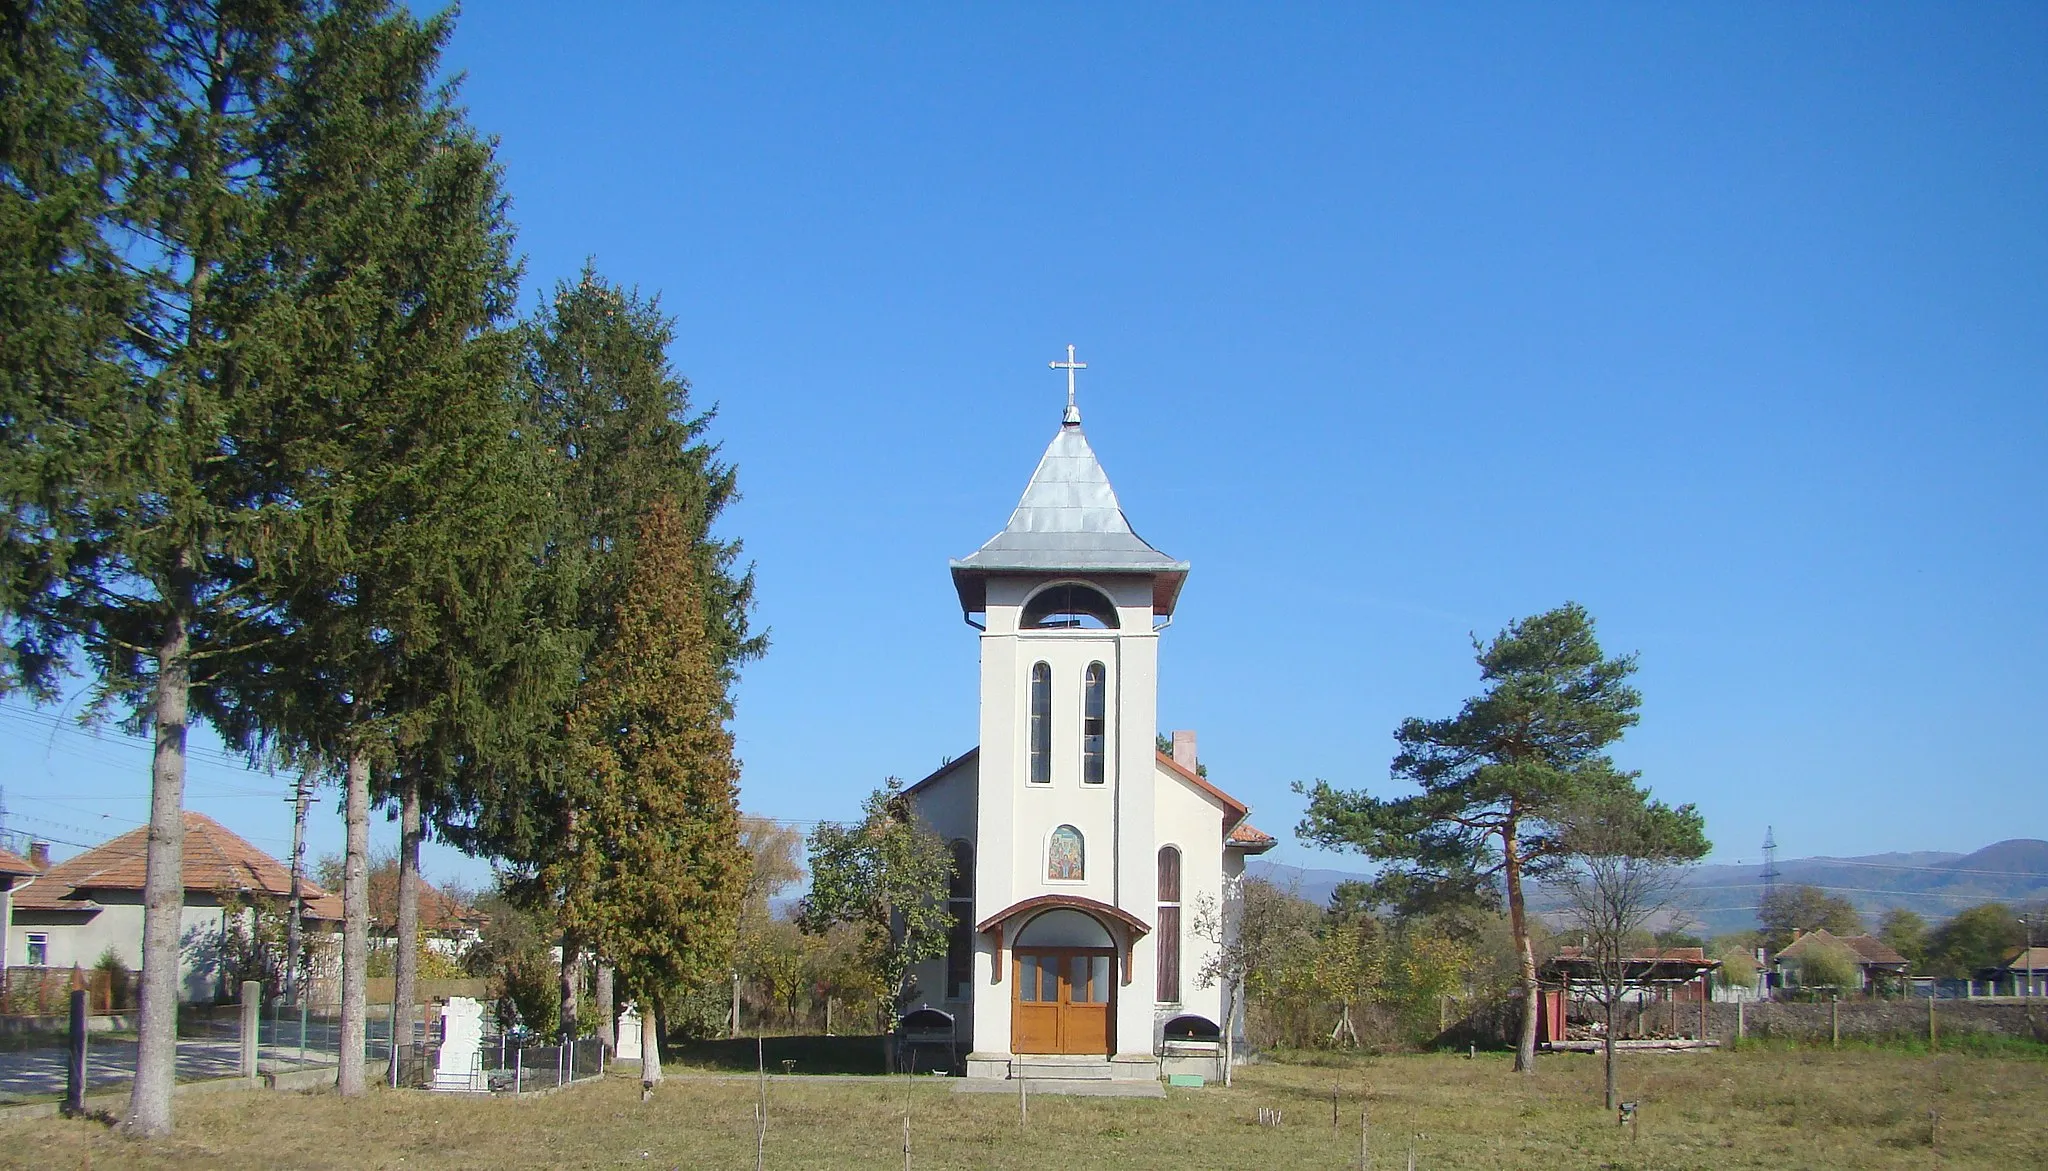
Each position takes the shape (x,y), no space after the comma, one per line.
(1761,1108)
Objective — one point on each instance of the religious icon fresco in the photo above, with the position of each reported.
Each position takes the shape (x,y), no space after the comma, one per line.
(1064,856)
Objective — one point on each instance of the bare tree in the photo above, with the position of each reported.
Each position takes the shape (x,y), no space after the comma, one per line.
(1250,931)
(1626,866)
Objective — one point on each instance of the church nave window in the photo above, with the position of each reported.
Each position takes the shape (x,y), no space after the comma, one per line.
(1066,856)
(1169,925)
(1041,724)
(1094,724)
(960,937)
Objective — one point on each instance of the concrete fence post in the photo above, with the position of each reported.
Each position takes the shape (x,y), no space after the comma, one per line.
(252,1025)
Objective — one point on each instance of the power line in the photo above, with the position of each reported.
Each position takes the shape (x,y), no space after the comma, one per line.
(1920,869)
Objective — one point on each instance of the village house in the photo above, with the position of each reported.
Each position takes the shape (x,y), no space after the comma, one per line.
(448,926)
(72,913)
(2024,974)
(1085,858)
(1875,961)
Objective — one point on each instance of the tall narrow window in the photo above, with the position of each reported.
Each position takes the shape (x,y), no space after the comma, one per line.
(1094,723)
(960,937)
(1041,724)
(1169,925)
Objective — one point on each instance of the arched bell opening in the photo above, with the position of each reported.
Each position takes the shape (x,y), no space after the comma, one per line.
(1069,605)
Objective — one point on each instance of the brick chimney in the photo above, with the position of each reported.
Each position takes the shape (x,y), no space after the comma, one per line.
(1184,749)
(39,855)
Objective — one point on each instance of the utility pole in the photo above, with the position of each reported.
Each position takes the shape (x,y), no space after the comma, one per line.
(302,796)
(2027,989)
(1770,874)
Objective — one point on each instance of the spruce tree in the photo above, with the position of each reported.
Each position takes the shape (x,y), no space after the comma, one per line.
(136,520)
(403,599)
(655,873)
(626,439)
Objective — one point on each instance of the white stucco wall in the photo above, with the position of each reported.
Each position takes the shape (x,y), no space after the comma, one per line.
(1015,818)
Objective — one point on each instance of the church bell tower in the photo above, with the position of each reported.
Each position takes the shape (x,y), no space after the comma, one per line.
(1070,602)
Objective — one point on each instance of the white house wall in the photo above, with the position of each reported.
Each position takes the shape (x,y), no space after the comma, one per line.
(79,938)
(1193,821)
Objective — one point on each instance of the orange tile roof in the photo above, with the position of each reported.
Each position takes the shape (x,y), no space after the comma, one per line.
(439,910)
(1873,950)
(13,863)
(1244,833)
(216,859)
(324,908)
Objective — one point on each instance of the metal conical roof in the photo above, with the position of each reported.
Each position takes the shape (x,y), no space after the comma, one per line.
(1068,521)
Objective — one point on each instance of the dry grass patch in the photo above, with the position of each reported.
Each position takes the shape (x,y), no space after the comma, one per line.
(1753,1109)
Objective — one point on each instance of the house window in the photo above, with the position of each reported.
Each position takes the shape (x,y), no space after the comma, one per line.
(1041,724)
(960,936)
(38,949)
(1094,724)
(1169,925)
(1066,856)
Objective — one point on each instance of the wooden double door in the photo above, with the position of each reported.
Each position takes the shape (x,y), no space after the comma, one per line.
(1063,1000)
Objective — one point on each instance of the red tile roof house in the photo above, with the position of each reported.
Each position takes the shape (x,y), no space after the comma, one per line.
(448,927)
(1874,959)
(77,910)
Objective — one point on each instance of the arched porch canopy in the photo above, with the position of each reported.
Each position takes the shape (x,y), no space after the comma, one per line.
(1125,927)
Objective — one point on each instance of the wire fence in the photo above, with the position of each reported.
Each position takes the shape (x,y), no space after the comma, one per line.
(293,1038)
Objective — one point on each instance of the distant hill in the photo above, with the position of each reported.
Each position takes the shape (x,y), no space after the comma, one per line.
(1723,898)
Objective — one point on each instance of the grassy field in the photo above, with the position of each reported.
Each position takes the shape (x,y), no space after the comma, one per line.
(1758,1108)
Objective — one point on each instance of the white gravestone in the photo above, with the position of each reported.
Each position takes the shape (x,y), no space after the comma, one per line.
(629,1034)
(460,1066)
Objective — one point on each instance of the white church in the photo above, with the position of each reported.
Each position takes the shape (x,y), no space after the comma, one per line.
(1083,854)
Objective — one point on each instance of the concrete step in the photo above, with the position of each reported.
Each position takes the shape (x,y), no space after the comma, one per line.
(1060,1068)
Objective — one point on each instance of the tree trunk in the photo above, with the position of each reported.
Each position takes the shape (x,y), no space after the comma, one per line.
(1229,1029)
(163,886)
(572,970)
(1518,923)
(355,928)
(651,1027)
(405,962)
(607,1012)
(1607,1048)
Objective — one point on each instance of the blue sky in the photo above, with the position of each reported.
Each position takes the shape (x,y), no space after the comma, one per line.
(1401,321)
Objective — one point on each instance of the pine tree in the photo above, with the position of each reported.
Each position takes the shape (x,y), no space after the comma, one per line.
(654,876)
(1496,779)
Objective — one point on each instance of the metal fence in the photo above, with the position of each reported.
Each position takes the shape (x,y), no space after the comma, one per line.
(33,1064)
(524,1068)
